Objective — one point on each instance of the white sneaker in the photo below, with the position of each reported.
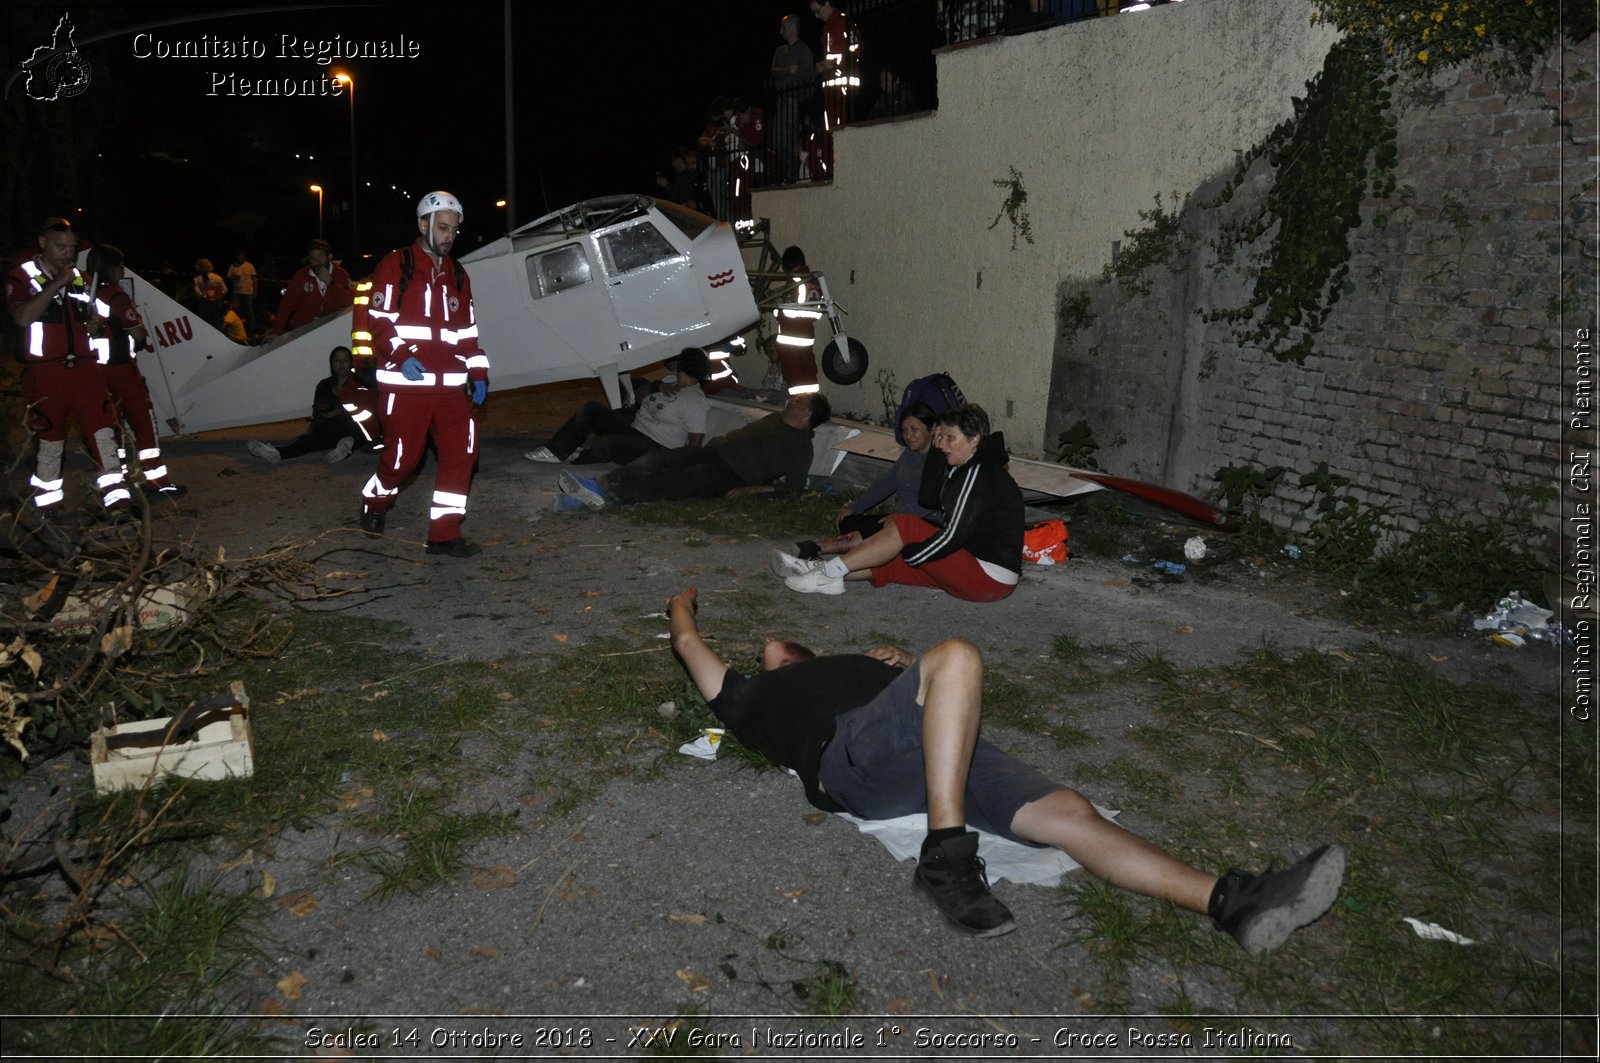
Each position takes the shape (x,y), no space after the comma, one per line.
(785,565)
(542,454)
(815,581)
(264,451)
(341,450)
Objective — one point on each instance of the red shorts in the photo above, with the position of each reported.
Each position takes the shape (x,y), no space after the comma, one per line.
(957,574)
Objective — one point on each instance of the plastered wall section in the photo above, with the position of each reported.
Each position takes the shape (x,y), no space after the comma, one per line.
(1097,118)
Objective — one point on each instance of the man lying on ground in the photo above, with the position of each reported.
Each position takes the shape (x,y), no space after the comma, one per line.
(771,454)
(672,416)
(884,734)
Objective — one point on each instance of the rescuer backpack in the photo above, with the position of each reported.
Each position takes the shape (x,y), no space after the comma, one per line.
(938,390)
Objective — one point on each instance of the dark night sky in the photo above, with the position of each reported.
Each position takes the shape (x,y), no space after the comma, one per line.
(146,157)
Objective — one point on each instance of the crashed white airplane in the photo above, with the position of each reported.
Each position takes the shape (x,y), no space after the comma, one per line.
(598,289)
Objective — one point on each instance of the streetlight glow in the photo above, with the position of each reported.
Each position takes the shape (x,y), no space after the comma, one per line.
(355,188)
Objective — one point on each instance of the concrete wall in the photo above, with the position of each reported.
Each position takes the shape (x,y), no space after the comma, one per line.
(1098,117)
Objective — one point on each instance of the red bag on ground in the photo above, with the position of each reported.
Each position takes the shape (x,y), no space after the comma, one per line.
(1045,542)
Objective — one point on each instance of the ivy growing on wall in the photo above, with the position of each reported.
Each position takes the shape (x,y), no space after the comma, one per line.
(1423,35)
(1336,149)
(1013,209)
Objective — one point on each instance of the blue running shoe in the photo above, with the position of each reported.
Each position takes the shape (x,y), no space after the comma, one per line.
(584,488)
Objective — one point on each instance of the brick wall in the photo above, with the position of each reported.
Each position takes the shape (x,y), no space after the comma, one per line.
(1447,353)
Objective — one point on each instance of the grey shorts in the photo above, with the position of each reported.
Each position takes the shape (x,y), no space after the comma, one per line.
(873,766)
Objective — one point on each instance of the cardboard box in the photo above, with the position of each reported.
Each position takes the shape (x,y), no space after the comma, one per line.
(128,756)
(158,607)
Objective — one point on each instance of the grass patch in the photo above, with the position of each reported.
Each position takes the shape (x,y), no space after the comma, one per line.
(830,992)
(739,519)
(177,945)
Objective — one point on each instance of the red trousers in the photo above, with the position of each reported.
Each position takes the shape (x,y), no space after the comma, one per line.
(409,418)
(56,393)
(957,574)
(133,395)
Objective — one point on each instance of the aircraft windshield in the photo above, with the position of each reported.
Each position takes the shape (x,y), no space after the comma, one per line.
(636,247)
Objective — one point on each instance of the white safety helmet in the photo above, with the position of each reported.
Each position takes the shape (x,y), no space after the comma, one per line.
(439,201)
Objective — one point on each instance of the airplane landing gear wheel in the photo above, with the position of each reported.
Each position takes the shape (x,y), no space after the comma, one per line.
(845,367)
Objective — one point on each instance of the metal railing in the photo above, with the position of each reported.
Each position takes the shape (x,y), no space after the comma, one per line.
(893,75)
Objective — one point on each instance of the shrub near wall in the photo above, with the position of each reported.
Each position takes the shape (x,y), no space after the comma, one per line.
(1437,371)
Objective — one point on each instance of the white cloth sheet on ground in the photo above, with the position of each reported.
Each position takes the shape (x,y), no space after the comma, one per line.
(1002,857)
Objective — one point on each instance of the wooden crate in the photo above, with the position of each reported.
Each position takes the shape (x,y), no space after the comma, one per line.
(220,747)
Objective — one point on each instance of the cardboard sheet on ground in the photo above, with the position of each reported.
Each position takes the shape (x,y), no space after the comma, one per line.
(1003,858)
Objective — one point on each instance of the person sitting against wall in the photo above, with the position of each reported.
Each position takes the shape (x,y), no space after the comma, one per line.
(672,415)
(902,483)
(331,427)
(976,555)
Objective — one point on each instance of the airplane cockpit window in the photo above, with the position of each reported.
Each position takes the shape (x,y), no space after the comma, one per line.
(557,270)
(636,247)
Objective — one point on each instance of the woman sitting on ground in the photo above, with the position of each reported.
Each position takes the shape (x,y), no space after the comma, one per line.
(976,556)
(901,482)
(332,427)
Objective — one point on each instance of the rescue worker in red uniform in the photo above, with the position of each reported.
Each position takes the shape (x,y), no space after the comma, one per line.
(117,349)
(51,302)
(838,70)
(430,372)
(318,288)
(797,325)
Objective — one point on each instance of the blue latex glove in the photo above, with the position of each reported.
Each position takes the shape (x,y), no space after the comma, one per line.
(412,369)
(480,391)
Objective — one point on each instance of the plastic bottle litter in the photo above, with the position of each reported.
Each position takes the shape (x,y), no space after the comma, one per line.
(1292,551)
(1171,568)
(704,747)
(1514,621)
(1194,548)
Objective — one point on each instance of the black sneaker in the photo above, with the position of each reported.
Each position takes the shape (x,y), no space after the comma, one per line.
(372,523)
(454,548)
(1261,911)
(951,876)
(807,550)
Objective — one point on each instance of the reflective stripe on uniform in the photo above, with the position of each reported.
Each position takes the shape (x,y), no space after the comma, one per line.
(374,489)
(397,379)
(446,503)
(47,493)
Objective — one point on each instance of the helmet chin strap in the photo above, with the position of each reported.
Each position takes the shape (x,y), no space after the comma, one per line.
(428,241)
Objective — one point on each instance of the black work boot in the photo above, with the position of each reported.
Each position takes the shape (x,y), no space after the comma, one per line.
(454,548)
(951,876)
(372,523)
(1261,911)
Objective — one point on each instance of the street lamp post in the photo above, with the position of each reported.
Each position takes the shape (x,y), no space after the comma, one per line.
(318,190)
(349,84)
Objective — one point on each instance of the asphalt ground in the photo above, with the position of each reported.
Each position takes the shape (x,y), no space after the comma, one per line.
(702,887)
